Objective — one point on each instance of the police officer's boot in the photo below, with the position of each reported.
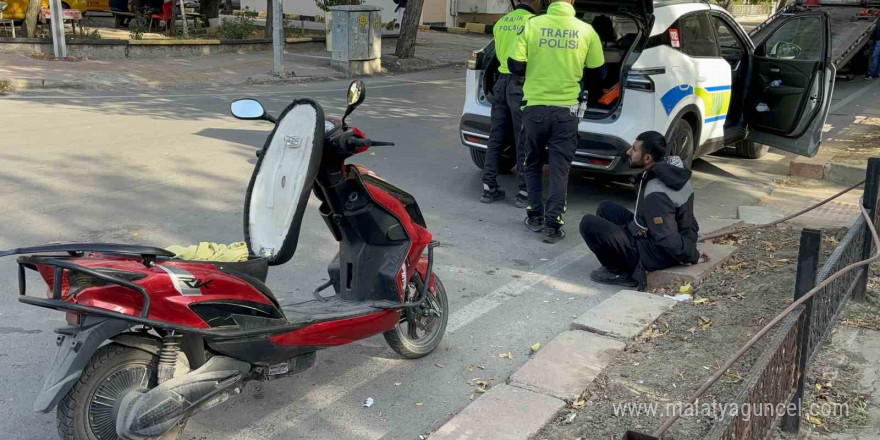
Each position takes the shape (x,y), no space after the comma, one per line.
(491,194)
(535,219)
(553,232)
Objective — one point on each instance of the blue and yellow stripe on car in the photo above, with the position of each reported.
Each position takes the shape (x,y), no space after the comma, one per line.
(716,100)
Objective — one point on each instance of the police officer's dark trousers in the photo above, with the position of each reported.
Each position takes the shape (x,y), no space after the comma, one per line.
(555,128)
(607,236)
(506,118)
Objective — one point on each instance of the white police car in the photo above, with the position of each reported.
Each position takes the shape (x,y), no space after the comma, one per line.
(686,69)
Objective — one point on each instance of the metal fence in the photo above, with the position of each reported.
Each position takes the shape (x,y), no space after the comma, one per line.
(777,380)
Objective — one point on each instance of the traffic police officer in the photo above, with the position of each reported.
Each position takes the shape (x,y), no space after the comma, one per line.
(553,51)
(506,102)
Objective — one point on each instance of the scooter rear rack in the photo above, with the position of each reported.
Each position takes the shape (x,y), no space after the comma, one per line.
(149,254)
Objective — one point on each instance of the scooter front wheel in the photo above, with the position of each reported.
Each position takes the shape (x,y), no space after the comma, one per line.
(421,329)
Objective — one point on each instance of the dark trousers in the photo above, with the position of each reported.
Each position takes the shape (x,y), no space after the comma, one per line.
(606,235)
(554,128)
(506,117)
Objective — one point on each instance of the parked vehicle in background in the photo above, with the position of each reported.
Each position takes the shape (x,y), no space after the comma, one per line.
(18,8)
(851,25)
(688,70)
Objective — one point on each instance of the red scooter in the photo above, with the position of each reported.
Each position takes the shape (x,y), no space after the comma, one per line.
(153,339)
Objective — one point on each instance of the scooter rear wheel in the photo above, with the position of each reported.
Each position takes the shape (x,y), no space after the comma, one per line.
(88,411)
(420,333)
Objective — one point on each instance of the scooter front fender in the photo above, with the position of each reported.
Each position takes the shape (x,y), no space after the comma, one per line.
(76,345)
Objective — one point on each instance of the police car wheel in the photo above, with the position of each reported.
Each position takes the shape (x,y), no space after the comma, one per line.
(505,165)
(681,142)
(750,150)
(478,157)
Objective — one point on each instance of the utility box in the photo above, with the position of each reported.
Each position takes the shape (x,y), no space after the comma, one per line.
(357,39)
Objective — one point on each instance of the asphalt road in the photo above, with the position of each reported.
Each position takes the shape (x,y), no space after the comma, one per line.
(171,167)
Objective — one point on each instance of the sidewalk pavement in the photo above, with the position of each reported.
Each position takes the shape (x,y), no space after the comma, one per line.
(848,368)
(851,136)
(307,62)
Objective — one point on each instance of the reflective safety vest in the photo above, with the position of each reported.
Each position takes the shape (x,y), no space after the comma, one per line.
(556,47)
(505,31)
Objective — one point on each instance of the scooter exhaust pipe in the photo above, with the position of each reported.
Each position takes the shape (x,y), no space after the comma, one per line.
(150,414)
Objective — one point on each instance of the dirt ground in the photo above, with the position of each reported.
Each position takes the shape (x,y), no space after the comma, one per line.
(688,343)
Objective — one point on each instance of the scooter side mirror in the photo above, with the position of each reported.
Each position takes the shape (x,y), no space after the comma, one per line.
(248,109)
(356,96)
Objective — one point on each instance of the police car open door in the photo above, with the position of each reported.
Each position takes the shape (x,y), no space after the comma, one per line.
(791,81)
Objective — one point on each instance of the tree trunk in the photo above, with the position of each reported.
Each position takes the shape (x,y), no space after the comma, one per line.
(29,26)
(227,6)
(267,32)
(406,42)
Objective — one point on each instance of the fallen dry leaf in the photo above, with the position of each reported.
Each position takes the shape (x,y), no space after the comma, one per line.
(397,384)
(536,347)
(420,403)
(481,382)
(687,289)
(579,403)
(480,390)
(815,420)
(705,322)
(507,355)
(701,301)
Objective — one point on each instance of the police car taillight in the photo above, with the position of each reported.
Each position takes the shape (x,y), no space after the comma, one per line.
(476,60)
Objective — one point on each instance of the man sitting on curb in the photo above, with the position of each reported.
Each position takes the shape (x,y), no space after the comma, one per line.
(663,231)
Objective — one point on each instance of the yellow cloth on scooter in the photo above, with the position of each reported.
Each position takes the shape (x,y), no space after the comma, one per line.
(207,251)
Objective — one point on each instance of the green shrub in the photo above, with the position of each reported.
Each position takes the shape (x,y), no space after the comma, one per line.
(139,24)
(239,28)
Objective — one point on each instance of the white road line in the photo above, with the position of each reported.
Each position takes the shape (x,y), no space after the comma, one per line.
(316,399)
(855,95)
(513,289)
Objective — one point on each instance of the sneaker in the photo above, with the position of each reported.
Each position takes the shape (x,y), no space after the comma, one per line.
(605,276)
(535,222)
(521,201)
(553,234)
(492,195)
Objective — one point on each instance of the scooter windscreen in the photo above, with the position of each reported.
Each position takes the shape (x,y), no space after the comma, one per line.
(282,182)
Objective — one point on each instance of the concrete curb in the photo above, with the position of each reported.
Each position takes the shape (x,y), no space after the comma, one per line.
(13,85)
(823,167)
(31,84)
(556,375)
(625,315)
(469,28)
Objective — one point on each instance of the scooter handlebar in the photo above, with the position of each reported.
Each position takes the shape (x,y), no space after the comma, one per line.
(354,143)
(382,144)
